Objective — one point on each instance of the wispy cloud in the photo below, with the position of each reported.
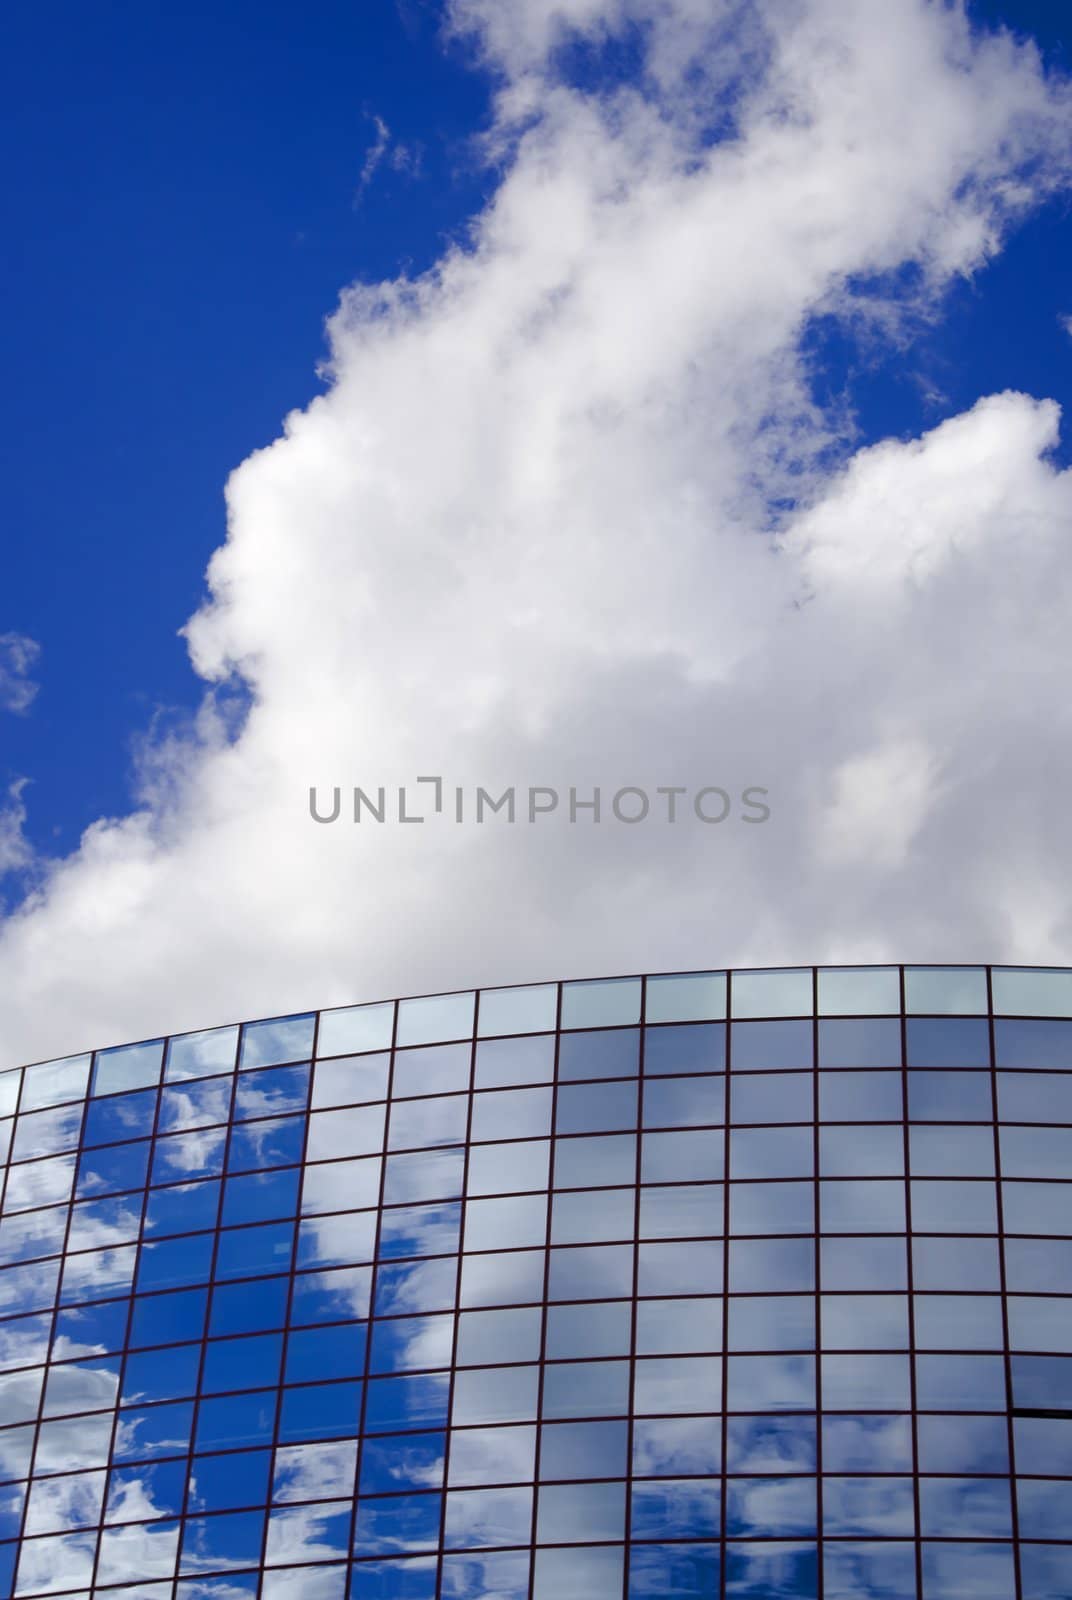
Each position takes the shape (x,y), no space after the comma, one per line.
(17,655)
(386,151)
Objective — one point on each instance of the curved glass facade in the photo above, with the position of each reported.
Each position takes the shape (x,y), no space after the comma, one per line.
(715,1284)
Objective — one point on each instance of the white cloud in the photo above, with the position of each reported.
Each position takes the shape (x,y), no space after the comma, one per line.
(17,655)
(531,535)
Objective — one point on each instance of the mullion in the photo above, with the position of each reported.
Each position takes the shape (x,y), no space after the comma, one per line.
(457,1308)
(373,1283)
(999,1194)
(542,1370)
(195,1414)
(20,1541)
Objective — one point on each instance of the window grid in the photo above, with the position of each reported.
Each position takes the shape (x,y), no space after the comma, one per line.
(671,1195)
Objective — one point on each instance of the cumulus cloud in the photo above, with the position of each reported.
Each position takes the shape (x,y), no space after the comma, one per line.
(569,515)
(17,655)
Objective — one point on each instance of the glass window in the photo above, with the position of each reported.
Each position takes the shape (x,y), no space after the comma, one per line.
(1033,1044)
(495,1394)
(501,1063)
(588,1331)
(531,1009)
(684,1103)
(118,1117)
(862,1263)
(757,1265)
(770,1506)
(1035,1152)
(131,1066)
(357,1132)
(338,1184)
(420,1230)
(950,1097)
(512,1114)
(486,1517)
(758,1208)
(771,1444)
(1044,1097)
(671,1446)
(606,1003)
(421,1124)
(1041,1323)
(686,1211)
(271,1092)
(861,1097)
(1044,992)
(500,1168)
(865,1150)
(785,993)
(277,1040)
(865,1382)
(687,997)
(355,1029)
(596,1107)
(201,1055)
(770,1153)
(495,1280)
(435,1018)
(577,1574)
(573,1450)
(424,1175)
(962,1263)
(960,1383)
(256,1146)
(963,1444)
(194,1105)
(412,1461)
(863,1205)
(586,1217)
(770,1097)
(501,1224)
(580,1513)
(959,991)
(867,1444)
(50,1083)
(1033,1265)
(859,991)
(860,1042)
(590,1272)
(492,1455)
(431,1069)
(770,1046)
(46,1133)
(486,1337)
(947,1042)
(694,1047)
(882,1506)
(770,1383)
(665,1386)
(865,1322)
(953,1204)
(593,1161)
(945,1152)
(686,1156)
(771,1322)
(599,1053)
(679,1269)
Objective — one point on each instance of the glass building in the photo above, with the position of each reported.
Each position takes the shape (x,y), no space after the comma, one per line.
(716,1284)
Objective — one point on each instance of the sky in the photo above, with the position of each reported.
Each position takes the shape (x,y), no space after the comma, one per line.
(612,393)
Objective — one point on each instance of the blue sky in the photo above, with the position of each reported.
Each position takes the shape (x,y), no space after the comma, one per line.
(186,206)
(185,203)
